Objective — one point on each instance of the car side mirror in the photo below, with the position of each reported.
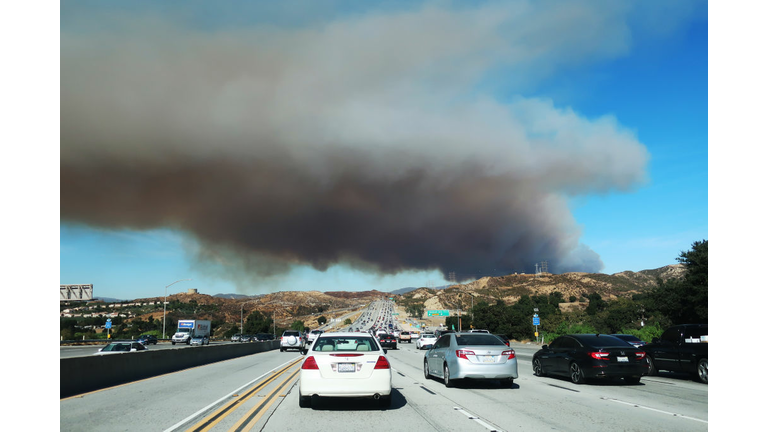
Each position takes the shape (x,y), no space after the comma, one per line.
(545,347)
(655,340)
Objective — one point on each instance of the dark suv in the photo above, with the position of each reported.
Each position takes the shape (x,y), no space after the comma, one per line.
(681,348)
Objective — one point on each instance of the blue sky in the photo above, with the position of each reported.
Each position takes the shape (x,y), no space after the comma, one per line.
(609,101)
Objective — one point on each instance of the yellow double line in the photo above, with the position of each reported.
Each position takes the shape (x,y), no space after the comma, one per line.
(254,414)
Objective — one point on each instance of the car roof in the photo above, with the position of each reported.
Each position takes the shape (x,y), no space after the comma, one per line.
(330,334)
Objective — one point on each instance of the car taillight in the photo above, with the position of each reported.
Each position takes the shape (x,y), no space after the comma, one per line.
(599,355)
(510,353)
(382,363)
(310,364)
(464,353)
(640,355)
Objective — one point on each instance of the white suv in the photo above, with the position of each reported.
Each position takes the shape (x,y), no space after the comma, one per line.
(313,335)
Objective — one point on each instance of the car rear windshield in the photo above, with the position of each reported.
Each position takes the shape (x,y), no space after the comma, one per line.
(478,339)
(346,343)
(602,341)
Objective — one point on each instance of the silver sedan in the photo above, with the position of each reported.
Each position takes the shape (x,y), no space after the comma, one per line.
(470,355)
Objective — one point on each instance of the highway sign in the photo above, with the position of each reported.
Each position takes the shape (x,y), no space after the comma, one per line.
(438,313)
(536,320)
(108,324)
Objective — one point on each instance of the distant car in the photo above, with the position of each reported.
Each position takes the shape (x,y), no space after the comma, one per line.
(470,355)
(405,336)
(313,335)
(147,339)
(633,340)
(291,339)
(236,337)
(345,365)
(388,341)
(121,347)
(263,337)
(426,340)
(584,356)
(199,340)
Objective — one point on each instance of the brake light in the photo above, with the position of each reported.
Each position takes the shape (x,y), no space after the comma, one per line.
(599,355)
(640,355)
(510,353)
(382,363)
(310,364)
(464,353)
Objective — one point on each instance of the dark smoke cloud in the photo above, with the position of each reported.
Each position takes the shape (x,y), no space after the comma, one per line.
(356,143)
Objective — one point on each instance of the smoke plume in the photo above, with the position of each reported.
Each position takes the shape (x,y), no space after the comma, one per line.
(366,141)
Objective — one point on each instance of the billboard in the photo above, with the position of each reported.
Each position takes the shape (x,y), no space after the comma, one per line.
(78,292)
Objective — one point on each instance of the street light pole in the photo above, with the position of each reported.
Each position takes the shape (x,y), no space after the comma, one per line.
(165,301)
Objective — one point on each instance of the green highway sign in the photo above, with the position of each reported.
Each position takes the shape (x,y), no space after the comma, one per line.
(438,313)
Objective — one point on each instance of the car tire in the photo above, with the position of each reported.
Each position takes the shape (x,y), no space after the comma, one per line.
(537,368)
(577,375)
(305,401)
(652,371)
(702,371)
(447,377)
(632,379)
(426,370)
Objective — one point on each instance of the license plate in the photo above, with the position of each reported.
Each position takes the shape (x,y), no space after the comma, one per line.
(622,359)
(489,359)
(346,367)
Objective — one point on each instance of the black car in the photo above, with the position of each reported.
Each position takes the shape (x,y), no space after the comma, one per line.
(681,348)
(584,356)
(388,341)
(147,339)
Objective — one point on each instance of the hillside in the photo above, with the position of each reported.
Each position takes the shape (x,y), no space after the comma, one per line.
(289,306)
(510,288)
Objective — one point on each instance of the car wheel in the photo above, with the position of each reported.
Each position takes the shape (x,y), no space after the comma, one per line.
(577,375)
(282,349)
(537,369)
(702,370)
(632,379)
(305,401)
(652,371)
(426,370)
(447,377)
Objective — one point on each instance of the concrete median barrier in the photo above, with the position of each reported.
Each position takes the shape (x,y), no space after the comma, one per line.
(83,374)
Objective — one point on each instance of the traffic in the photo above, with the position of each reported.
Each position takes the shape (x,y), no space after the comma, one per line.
(441,380)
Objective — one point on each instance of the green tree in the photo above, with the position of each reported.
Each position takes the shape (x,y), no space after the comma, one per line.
(257,322)
(297,325)
(322,320)
(685,300)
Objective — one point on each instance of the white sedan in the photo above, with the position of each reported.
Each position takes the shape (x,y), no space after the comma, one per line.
(426,340)
(345,365)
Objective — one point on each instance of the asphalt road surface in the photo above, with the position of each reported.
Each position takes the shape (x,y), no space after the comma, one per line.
(259,392)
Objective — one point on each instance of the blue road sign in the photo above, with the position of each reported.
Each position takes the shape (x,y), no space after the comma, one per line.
(536,320)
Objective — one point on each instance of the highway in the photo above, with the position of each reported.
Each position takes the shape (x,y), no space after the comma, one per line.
(259,392)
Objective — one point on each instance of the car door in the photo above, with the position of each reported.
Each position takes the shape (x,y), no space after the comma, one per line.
(666,354)
(563,354)
(436,356)
(547,355)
